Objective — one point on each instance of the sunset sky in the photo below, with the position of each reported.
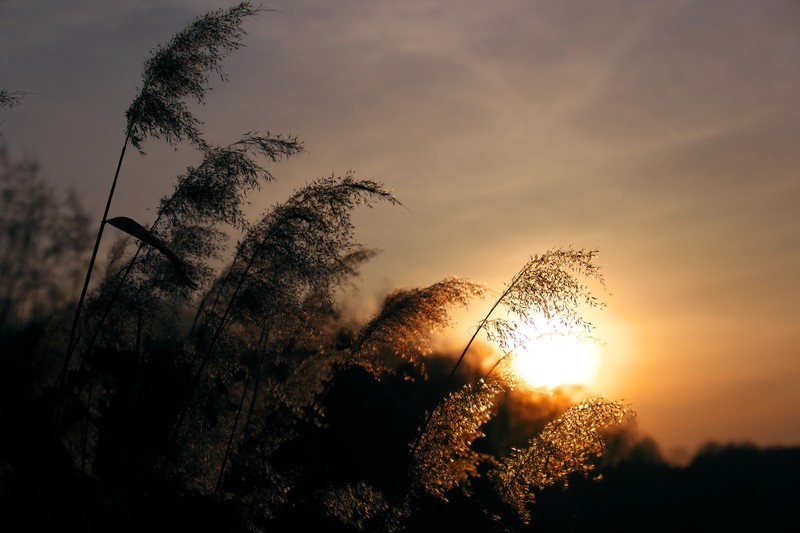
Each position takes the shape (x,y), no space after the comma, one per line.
(666,134)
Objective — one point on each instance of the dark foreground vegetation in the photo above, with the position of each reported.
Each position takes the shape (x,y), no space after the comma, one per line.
(153,390)
(122,485)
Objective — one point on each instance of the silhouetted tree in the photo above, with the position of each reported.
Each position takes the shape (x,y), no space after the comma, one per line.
(43,238)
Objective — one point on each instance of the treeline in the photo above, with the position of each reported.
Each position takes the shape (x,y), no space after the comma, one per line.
(730,487)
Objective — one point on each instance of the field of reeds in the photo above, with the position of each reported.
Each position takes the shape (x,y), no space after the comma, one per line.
(151,389)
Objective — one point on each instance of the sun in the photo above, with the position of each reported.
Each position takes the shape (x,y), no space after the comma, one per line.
(557,358)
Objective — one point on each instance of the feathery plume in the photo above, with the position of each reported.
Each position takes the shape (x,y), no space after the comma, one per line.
(407,319)
(444,457)
(546,287)
(566,445)
(182,69)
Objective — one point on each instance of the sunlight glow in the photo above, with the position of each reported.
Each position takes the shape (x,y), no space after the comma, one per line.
(557,359)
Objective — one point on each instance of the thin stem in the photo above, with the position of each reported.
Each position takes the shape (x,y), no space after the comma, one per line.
(199,312)
(76,319)
(233,432)
(106,312)
(120,284)
(262,347)
(495,365)
(212,344)
(403,493)
(122,278)
(447,383)
(60,383)
(217,296)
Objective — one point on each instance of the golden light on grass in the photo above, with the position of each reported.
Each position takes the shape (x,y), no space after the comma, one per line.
(556,358)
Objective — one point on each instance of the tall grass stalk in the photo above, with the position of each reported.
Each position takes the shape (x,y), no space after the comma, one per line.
(210,194)
(198,374)
(298,249)
(76,319)
(233,433)
(546,286)
(178,70)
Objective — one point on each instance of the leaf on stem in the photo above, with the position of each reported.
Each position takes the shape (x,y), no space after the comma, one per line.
(133,228)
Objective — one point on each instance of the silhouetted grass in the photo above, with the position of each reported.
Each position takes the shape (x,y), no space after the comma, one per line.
(241,399)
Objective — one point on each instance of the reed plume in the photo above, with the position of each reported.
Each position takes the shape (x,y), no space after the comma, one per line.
(567,445)
(407,319)
(178,70)
(182,69)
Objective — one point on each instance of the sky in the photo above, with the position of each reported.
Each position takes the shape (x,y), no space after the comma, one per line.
(664,134)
